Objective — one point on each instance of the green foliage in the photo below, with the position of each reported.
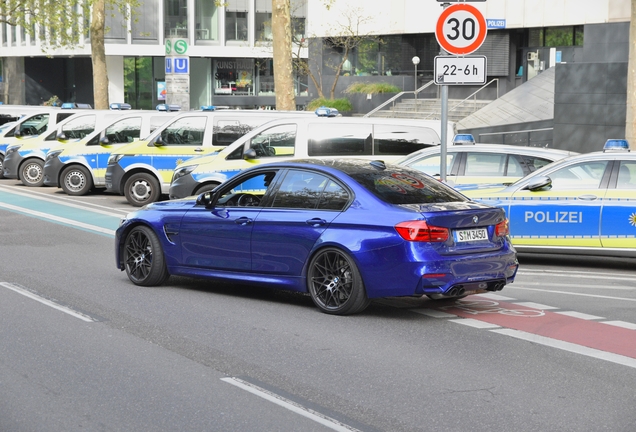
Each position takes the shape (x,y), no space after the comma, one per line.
(53,101)
(342,105)
(372,88)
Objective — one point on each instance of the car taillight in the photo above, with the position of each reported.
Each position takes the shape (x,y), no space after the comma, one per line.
(502,228)
(421,231)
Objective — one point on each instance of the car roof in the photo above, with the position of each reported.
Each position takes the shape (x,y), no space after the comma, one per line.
(501,148)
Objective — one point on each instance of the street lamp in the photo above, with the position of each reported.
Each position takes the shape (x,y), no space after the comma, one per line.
(416,61)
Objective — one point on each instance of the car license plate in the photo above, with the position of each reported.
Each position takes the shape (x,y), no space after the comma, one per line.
(476,234)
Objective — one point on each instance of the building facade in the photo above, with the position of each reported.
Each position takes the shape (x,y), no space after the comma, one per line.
(229,45)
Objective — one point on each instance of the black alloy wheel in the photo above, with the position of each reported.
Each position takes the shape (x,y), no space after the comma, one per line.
(143,257)
(335,284)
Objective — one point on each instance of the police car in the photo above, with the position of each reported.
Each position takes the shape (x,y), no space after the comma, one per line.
(323,135)
(80,166)
(25,160)
(584,204)
(469,163)
(30,124)
(142,171)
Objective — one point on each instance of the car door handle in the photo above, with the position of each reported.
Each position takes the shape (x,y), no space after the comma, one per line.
(587,197)
(243,221)
(198,149)
(316,222)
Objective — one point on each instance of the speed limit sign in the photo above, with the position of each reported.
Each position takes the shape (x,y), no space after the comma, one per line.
(461,29)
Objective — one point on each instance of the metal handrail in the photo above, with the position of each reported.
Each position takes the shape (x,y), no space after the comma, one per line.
(397,96)
(473,95)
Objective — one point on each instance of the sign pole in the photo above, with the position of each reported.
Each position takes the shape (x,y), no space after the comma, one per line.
(444,120)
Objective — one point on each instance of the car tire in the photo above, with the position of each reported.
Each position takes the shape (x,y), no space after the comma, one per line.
(205,188)
(76,180)
(143,257)
(335,284)
(32,173)
(141,189)
(1,166)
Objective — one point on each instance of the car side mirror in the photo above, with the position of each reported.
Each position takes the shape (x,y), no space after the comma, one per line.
(61,136)
(250,154)
(17,133)
(207,199)
(104,140)
(157,143)
(541,182)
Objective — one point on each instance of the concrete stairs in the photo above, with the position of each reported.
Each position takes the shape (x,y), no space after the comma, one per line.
(430,109)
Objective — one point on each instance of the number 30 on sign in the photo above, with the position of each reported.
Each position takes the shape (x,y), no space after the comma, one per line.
(461,29)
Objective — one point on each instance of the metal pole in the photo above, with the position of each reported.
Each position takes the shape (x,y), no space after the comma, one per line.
(442,167)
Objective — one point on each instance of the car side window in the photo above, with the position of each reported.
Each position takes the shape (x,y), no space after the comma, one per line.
(334,197)
(277,141)
(584,175)
(246,192)
(401,140)
(35,125)
(124,131)
(485,164)
(531,163)
(185,131)
(514,168)
(339,139)
(79,127)
(300,190)
(431,164)
(626,175)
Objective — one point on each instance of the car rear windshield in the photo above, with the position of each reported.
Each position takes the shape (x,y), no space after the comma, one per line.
(405,186)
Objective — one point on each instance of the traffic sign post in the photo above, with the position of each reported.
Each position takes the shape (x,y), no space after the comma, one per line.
(460,30)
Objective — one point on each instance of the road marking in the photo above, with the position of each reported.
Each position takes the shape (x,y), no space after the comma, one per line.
(576,285)
(46,302)
(623,324)
(587,275)
(568,330)
(572,293)
(580,315)
(46,216)
(534,305)
(475,323)
(290,405)
(567,346)
(69,202)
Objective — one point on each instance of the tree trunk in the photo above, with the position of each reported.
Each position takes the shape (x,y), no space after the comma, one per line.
(282,37)
(630,121)
(98,54)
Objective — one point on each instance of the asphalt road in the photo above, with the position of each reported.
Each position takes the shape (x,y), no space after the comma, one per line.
(82,348)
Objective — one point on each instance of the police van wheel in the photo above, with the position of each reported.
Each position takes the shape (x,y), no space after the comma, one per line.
(1,166)
(76,181)
(32,173)
(142,189)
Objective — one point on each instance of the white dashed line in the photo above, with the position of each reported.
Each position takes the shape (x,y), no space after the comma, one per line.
(580,315)
(535,305)
(475,323)
(627,325)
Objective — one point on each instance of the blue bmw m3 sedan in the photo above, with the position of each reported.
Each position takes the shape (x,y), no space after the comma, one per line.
(344,231)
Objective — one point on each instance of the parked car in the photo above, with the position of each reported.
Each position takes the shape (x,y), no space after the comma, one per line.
(30,123)
(80,166)
(469,163)
(345,231)
(584,204)
(142,171)
(25,160)
(307,137)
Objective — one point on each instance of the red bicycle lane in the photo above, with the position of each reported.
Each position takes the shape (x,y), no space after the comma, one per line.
(589,333)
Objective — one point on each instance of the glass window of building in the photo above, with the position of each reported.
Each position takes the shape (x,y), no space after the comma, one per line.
(298,9)
(236,23)
(263,24)
(176,18)
(234,77)
(207,20)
